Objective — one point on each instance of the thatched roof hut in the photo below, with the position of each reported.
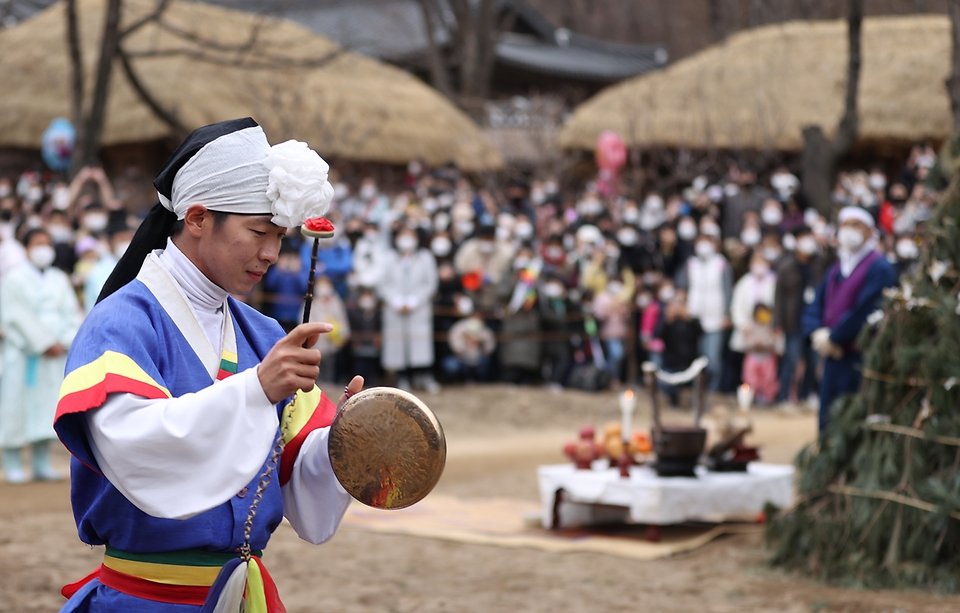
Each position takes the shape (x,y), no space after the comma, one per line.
(759,88)
(206,63)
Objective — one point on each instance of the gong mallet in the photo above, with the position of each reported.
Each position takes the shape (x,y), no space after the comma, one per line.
(387,448)
(315,228)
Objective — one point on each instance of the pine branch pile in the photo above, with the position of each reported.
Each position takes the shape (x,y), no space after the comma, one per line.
(879,493)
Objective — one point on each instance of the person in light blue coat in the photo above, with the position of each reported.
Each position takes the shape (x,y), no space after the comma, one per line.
(40,315)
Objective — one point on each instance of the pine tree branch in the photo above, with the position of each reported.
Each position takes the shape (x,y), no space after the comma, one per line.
(881,495)
(914,432)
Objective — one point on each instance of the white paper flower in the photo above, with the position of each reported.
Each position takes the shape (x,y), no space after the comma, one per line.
(937,269)
(875,317)
(298,186)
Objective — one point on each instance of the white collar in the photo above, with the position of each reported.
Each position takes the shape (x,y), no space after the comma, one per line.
(849,260)
(201,293)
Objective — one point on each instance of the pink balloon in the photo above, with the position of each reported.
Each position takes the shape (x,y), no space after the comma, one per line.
(611,153)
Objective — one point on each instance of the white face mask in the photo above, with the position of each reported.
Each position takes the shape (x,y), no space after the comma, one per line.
(524,231)
(120,249)
(555,253)
(687,231)
(614,287)
(907,249)
(750,236)
(324,291)
(41,256)
(406,243)
(771,216)
(61,198)
(705,249)
(368,191)
(60,233)
(553,290)
(759,269)
(367,302)
(807,245)
(486,246)
(464,305)
(850,238)
(503,233)
(627,237)
(631,215)
(441,246)
(771,254)
(520,263)
(465,228)
(643,300)
(789,242)
(95,222)
(666,293)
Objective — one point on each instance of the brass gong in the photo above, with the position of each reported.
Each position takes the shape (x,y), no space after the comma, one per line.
(387,448)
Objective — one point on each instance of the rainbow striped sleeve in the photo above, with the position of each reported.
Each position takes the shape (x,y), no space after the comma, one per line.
(87,387)
(307,412)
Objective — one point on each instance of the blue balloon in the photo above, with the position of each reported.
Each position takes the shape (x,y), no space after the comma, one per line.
(57,144)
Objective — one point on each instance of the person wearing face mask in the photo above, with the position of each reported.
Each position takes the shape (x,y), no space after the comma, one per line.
(407,290)
(905,252)
(771,214)
(651,309)
(797,280)
(756,287)
(366,334)
(483,262)
(555,306)
(556,262)
(329,307)
(708,279)
(612,309)
(848,293)
(369,258)
(119,236)
(40,316)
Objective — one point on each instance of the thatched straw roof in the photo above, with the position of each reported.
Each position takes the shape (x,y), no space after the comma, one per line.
(759,88)
(350,107)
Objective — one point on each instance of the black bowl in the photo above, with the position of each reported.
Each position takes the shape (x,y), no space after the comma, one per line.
(679,443)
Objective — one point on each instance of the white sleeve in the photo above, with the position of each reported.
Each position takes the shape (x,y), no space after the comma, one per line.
(177,457)
(313,500)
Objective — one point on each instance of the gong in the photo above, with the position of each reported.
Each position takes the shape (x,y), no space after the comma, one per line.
(387,448)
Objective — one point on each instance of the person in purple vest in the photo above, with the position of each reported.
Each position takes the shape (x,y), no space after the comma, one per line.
(849,292)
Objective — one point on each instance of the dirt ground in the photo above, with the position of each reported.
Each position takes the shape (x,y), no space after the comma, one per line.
(497,436)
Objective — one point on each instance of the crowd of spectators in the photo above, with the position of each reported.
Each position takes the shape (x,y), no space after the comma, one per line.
(439,281)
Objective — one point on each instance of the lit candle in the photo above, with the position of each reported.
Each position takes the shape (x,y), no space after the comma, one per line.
(627,406)
(745,397)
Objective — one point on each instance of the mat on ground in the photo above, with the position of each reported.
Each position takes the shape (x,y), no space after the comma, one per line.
(510,523)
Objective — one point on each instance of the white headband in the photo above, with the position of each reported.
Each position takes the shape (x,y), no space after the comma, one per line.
(857,213)
(241,173)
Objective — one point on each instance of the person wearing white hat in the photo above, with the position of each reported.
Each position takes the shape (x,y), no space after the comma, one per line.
(176,394)
(848,293)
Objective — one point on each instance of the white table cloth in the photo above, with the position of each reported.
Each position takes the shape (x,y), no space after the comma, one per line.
(601,495)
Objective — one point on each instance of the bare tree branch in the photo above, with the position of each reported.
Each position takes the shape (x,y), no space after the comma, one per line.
(76,62)
(847,129)
(164,115)
(153,16)
(438,71)
(953,83)
(274,62)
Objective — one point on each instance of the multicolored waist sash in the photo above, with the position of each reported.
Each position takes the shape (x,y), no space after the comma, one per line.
(192,577)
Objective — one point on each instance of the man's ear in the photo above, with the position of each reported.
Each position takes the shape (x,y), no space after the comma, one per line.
(197,215)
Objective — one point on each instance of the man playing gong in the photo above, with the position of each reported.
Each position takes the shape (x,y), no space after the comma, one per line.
(195,425)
